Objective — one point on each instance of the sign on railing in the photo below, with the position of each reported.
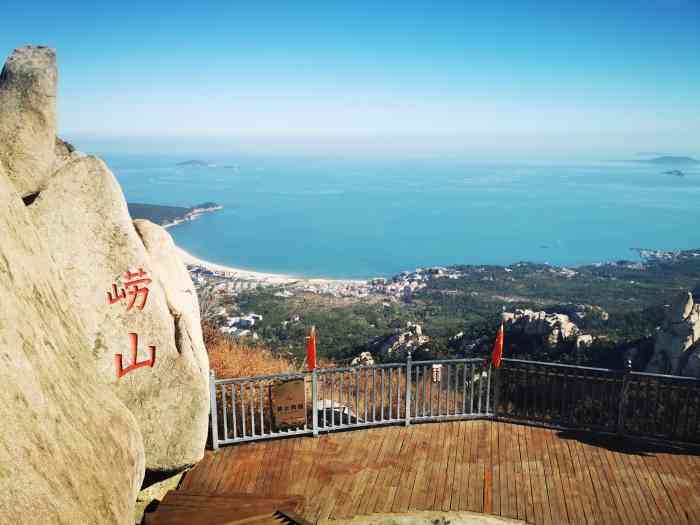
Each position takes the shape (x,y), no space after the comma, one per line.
(563,396)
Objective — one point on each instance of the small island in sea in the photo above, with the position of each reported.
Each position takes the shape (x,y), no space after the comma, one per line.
(676,173)
(195,163)
(168,216)
(668,160)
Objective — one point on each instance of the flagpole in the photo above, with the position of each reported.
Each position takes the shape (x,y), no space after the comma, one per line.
(496,373)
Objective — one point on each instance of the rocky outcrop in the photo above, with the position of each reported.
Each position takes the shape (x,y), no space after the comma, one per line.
(170,399)
(70,451)
(104,371)
(590,311)
(188,423)
(364,359)
(584,341)
(28,123)
(403,341)
(553,328)
(676,349)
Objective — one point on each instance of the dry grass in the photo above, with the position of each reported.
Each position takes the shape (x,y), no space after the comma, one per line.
(230,358)
(246,407)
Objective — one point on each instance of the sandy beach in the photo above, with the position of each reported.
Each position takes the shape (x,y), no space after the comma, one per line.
(263,277)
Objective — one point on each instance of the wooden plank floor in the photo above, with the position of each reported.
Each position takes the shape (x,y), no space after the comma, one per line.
(528,473)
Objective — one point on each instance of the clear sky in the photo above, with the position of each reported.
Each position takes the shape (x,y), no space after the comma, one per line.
(494,77)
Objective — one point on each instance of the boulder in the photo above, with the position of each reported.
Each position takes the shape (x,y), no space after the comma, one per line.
(28,123)
(402,341)
(364,359)
(584,340)
(179,290)
(70,451)
(676,349)
(82,217)
(554,328)
(584,311)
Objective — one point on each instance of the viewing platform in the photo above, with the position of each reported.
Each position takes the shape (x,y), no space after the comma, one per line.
(538,442)
(534,474)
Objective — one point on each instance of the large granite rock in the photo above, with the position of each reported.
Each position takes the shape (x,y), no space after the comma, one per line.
(554,328)
(70,451)
(403,341)
(676,349)
(80,420)
(82,217)
(28,117)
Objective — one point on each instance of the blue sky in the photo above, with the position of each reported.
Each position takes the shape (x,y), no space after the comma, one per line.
(512,78)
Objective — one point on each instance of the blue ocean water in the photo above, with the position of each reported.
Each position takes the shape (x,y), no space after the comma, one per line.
(350,218)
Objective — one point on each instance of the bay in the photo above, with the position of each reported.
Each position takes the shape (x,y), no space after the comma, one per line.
(345,218)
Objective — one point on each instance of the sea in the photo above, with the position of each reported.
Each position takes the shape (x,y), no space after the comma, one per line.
(340,218)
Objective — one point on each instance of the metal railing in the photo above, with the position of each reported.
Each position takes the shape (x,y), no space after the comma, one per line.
(562,396)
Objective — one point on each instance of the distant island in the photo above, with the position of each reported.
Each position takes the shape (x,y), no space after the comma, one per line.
(168,216)
(677,173)
(199,163)
(673,161)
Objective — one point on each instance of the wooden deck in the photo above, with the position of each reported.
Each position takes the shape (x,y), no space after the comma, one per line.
(533,474)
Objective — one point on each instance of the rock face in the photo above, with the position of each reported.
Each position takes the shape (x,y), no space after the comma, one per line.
(70,451)
(676,349)
(365,358)
(104,373)
(555,328)
(584,311)
(584,340)
(170,399)
(404,340)
(28,111)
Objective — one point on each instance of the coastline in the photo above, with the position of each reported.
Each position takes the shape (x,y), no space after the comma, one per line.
(278,279)
(645,255)
(191,215)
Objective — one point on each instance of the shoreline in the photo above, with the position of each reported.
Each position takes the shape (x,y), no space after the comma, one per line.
(645,255)
(252,275)
(191,215)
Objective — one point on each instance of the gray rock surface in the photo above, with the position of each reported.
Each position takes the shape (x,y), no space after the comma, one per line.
(70,451)
(28,111)
(170,399)
(78,435)
(403,341)
(364,359)
(676,349)
(555,328)
(584,340)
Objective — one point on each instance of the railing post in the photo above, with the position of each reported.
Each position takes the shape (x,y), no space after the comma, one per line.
(488,389)
(314,401)
(496,371)
(213,410)
(408,389)
(623,397)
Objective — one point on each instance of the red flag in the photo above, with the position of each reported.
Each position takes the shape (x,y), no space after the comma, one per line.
(497,355)
(311,349)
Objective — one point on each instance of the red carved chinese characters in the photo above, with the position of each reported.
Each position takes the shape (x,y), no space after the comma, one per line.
(114,296)
(135,285)
(134,338)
